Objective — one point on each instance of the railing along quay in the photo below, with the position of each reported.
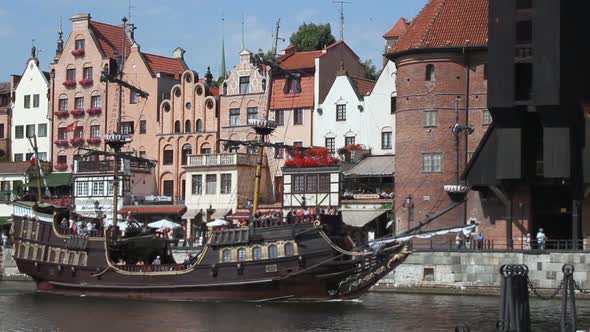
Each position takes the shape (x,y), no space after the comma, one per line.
(500,246)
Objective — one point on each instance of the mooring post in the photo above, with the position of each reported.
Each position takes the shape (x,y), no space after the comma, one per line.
(568,298)
(514,299)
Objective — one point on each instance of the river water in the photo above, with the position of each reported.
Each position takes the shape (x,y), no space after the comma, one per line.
(22,309)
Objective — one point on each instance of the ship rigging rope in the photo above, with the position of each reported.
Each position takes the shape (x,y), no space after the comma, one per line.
(340,250)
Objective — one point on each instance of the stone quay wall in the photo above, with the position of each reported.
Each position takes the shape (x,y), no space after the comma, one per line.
(478,272)
(8,269)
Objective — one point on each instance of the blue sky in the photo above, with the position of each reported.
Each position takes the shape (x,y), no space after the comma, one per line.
(195,26)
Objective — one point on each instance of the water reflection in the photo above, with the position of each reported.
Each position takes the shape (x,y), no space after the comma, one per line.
(21,309)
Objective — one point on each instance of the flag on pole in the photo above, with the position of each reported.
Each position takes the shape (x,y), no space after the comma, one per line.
(33,160)
(71,126)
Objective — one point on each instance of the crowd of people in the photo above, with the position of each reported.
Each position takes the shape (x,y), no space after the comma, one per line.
(293,216)
(80,227)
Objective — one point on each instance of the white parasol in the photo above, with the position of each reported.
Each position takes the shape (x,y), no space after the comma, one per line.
(217,223)
(163,223)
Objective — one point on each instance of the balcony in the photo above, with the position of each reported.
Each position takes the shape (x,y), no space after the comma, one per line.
(94,111)
(78,52)
(69,83)
(222,159)
(86,82)
(77,112)
(106,166)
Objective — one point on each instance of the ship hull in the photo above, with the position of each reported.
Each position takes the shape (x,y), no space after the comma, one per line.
(70,265)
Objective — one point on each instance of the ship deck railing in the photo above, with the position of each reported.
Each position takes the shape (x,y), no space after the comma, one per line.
(152,267)
(69,231)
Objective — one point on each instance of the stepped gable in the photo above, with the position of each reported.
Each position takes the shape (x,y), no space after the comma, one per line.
(110,38)
(447,23)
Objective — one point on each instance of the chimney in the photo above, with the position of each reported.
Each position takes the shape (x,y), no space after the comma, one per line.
(178,53)
(290,50)
(80,21)
(208,76)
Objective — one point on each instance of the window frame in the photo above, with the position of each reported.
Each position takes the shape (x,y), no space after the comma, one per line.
(225,184)
(168,156)
(280,117)
(298,120)
(36,100)
(244,85)
(19,131)
(210,186)
(430,162)
(486,119)
(330,144)
(42,133)
(197,184)
(349,140)
(341,112)
(234,117)
(430,118)
(389,145)
(142,127)
(27,101)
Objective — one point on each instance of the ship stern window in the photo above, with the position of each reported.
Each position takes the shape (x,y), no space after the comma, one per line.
(256,253)
(241,255)
(272,251)
(226,256)
(289,249)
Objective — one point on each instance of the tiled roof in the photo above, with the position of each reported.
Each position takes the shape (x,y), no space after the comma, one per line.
(162,64)
(363,85)
(282,100)
(110,38)
(299,60)
(214,91)
(14,167)
(154,209)
(373,166)
(447,23)
(398,29)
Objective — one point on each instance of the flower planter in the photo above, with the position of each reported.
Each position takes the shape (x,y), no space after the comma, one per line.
(60,167)
(62,113)
(86,82)
(78,52)
(69,83)
(94,110)
(61,142)
(77,112)
(93,140)
(76,141)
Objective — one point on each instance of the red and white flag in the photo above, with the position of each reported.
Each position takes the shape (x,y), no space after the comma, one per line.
(71,126)
(33,159)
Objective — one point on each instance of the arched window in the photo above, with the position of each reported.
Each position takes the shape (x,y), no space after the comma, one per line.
(224,88)
(30,254)
(22,251)
(82,259)
(187,126)
(289,249)
(430,72)
(272,251)
(71,259)
(186,150)
(256,253)
(62,257)
(177,126)
(241,255)
(51,258)
(205,148)
(39,254)
(199,126)
(226,256)
(63,103)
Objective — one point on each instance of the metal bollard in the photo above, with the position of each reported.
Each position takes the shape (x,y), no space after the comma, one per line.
(568,321)
(514,299)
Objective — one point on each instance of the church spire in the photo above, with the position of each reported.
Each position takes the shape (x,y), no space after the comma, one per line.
(222,70)
(60,42)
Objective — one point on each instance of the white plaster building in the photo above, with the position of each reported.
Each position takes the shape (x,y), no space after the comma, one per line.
(30,113)
(358,111)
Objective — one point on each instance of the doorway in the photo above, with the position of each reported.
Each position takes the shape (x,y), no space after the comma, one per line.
(552,211)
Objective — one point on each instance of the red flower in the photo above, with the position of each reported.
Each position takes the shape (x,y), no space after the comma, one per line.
(86,82)
(77,112)
(69,83)
(78,52)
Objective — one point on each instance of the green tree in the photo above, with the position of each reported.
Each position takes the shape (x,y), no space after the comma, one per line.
(371,71)
(311,37)
(265,55)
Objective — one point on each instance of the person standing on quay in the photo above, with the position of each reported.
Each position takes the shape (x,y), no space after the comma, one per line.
(541,238)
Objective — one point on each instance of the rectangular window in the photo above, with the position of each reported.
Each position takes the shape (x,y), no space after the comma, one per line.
(110,188)
(79,103)
(432,162)
(298,116)
(251,149)
(133,97)
(19,132)
(279,152)
(205,150)
(211,183)
(197,184)
(71,74)
(142,154)
(244,85)
(311,183)
(63,104)
(298,143)
(18,157)
(324,183)
(95,131)
(35,100)
(30,130)
(298,183)
(234,117)
(252,113)
(142,126)
(62,159)
(28,101)
(79,132)
(293,85)
(393,105)
(62,133)
(82,189)
(95,101)
(430,119)
(28,156)
(168,157)
(386,137)
(331,144)
(348,141)
(42,130)
(80,44)
(98,188)
(340,112)
(87,73)
(280,117)
(42,156)
(1,130)
(225,184)
(126,127)
(487,118)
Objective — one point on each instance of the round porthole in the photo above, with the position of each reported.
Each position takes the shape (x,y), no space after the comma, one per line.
(188,105)
(177,92)
(188,78)
(210,104)
(166,107)
(199,90)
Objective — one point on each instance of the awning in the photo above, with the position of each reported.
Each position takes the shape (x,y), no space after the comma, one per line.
(220,213)
(53,180)
(176,210)
(359,218)
(190,214)
(373,166)
(5,221)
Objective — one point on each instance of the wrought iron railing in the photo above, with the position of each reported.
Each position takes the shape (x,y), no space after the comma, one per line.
(521,245)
